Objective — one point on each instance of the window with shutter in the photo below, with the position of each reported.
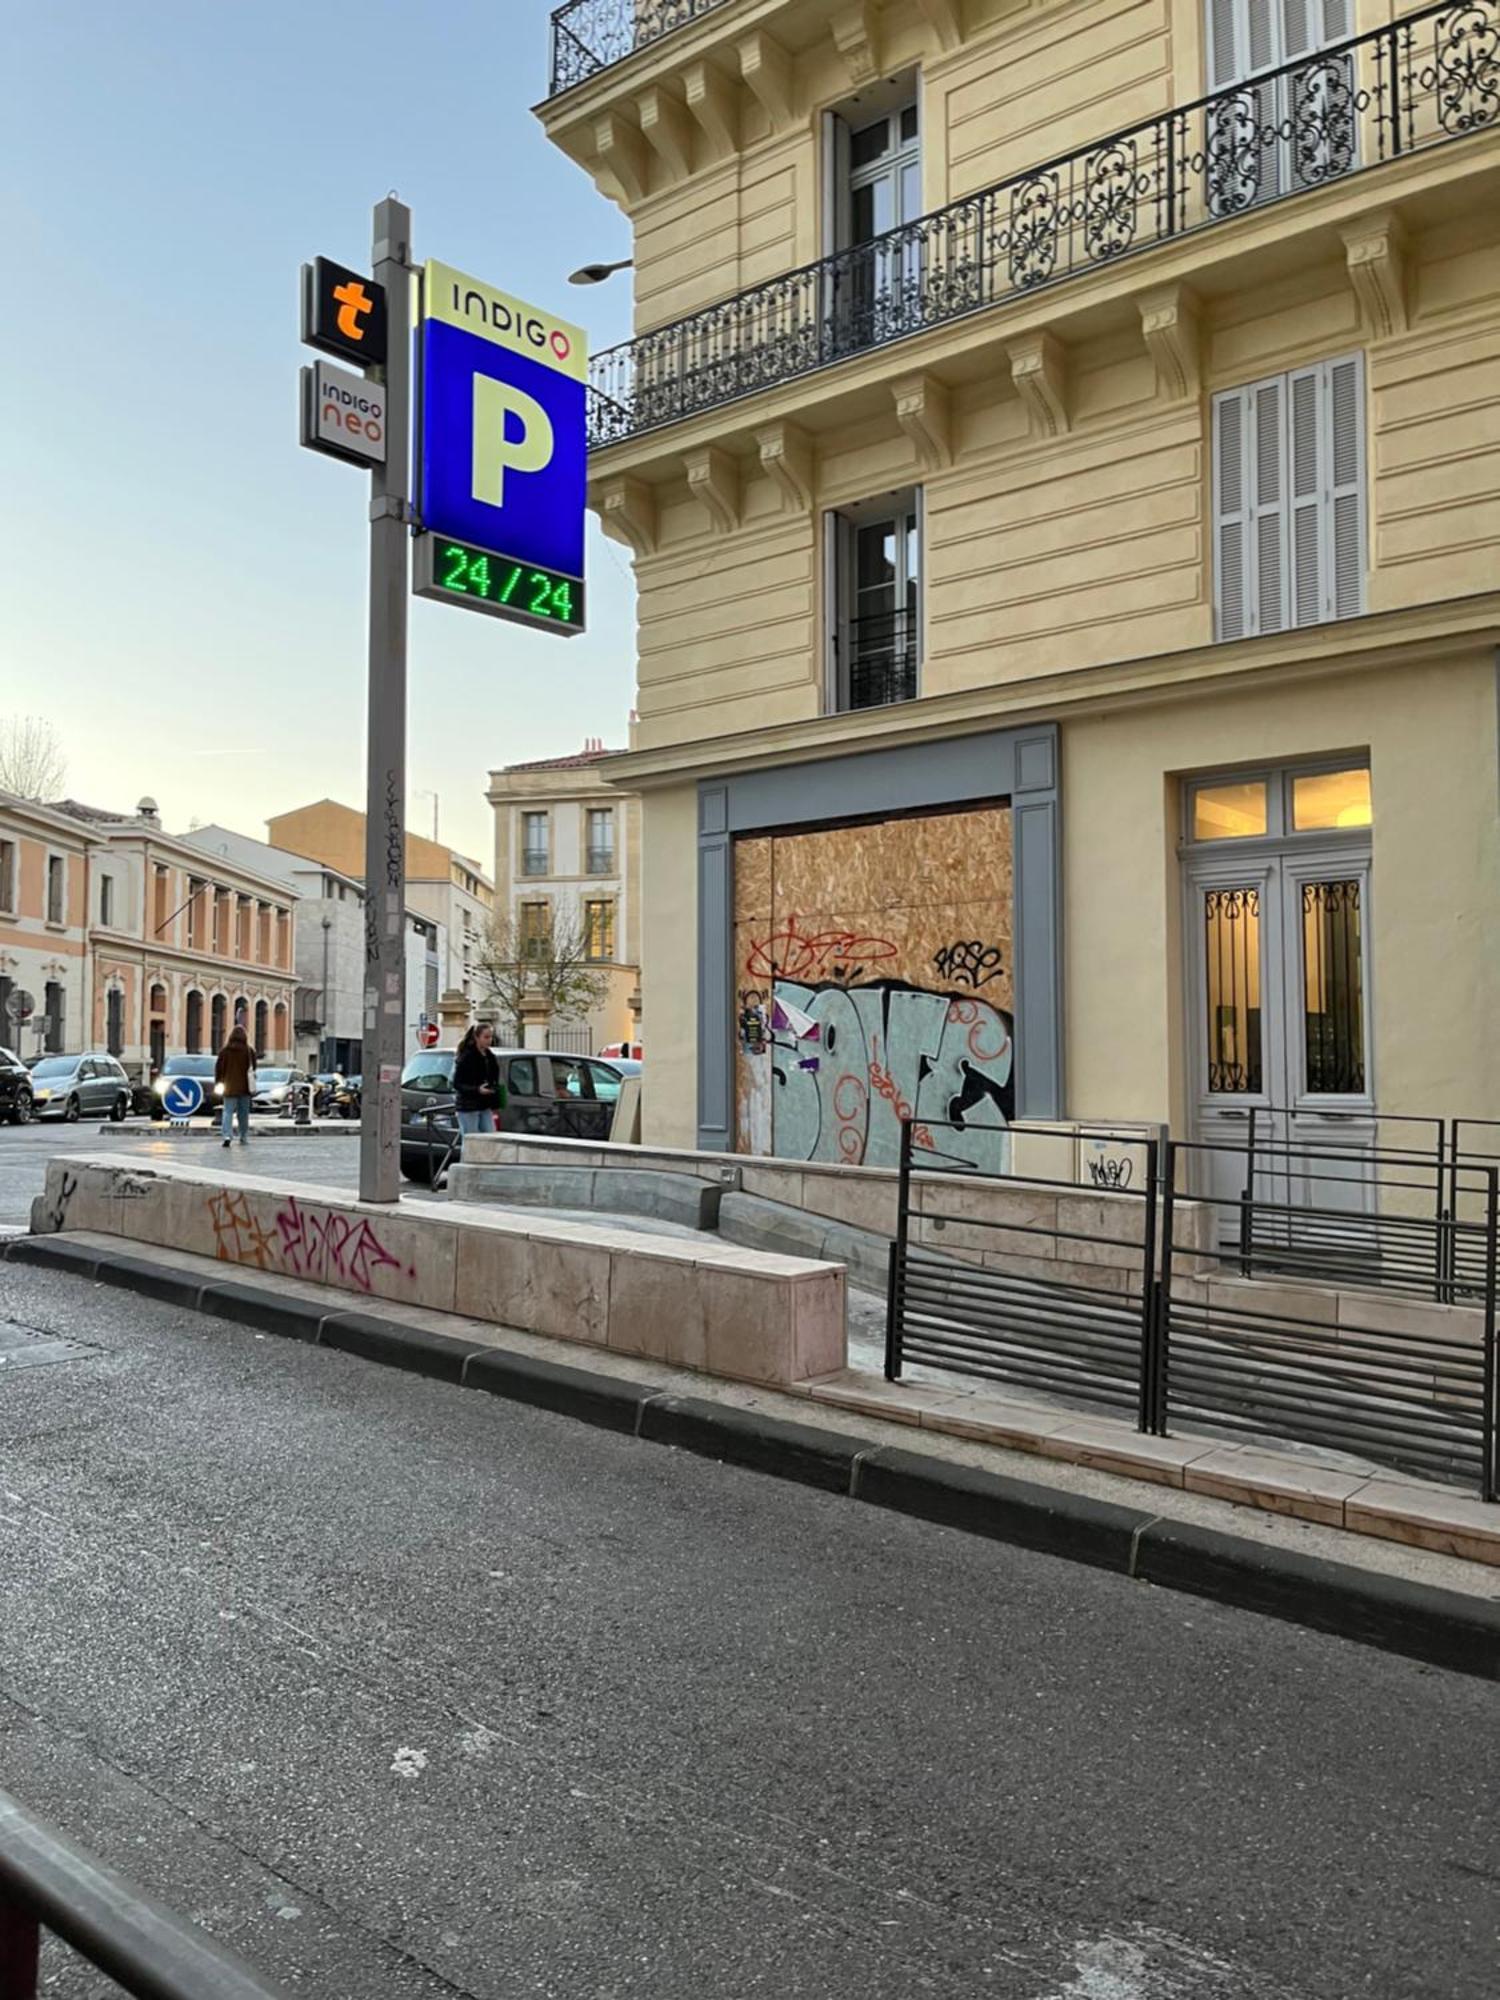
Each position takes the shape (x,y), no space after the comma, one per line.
(1270,134)
(1289,508)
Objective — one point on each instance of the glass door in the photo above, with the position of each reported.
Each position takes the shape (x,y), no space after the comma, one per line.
(877,287)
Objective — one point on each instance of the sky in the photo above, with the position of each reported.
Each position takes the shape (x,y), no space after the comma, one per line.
(182,589)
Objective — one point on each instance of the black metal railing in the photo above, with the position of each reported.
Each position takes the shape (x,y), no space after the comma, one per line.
(533,862)
(601,861)
(591,35)
(878,660)
(1418,82)
(48,1884)
(1368,1331)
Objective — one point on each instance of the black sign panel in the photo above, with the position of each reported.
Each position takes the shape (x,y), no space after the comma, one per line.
(343,313)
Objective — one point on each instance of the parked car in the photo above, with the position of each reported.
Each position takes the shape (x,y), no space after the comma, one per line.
(15,1089)
(628,1051)
(91,1085)
(202,1067)
(568,1097)
(278,1089)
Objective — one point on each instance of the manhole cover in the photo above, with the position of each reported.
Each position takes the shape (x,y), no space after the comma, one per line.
(30,1347)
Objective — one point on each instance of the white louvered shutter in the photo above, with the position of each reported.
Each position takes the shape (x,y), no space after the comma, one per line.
(1226,27)
(1231,514)
(1338,21)
(1268,519)
(1345,505)
(1309,482)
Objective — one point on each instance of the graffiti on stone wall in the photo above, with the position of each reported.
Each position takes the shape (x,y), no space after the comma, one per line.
(321,1244)
(55,1214)
(850,1064)
(238,1237)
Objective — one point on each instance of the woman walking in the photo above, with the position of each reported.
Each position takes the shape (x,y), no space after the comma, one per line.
(476,1081)
(235,1071)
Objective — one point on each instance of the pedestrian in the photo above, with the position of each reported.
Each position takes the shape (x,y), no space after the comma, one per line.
(476,1081)
(234,1072)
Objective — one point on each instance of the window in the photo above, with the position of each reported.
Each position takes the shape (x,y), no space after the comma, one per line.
(875,600)
(106,899)
(534,843)
(533,929)
(875,170)
(1303,799)
(114,1021)
(1271,135)
(160,907)
(600,840)
(7,875)
(599,930)
(606,1082)
(1330,799)
(570,1078)
(1289,501)
(521,1077)
(1229,812)
(57,884)
(195,913)
(54,1006)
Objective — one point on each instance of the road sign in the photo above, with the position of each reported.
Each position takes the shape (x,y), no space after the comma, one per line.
(343,414)
(427,1035)
(343,313)
(20,1006)
(504,463)
(182,1097)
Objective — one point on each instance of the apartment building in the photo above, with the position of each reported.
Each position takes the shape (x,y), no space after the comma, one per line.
(1060,449)
(181,946)
(448,888)
(567,866)
(328,1018)
(44,962)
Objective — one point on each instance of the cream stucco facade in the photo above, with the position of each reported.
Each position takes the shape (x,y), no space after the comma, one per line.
(1062,445)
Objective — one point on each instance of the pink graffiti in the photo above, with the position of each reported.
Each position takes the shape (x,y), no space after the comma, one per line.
(314,1244)
(966,1014)
(238,1237)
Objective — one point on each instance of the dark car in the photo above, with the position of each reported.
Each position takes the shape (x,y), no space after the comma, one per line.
(92,1085)
(201,1067)
(15,1089)
(566,1097)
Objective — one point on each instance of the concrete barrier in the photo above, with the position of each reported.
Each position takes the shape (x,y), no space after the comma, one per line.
(694,1302)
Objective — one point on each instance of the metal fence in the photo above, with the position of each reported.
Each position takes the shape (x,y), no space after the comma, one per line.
(570,1039)
(591,35)
(1426,80)
(1203,1297)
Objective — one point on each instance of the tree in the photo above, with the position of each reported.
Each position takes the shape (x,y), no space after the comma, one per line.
(32,765)
(536,963)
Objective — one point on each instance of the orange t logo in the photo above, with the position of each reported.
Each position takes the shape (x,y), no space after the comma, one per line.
(353,301)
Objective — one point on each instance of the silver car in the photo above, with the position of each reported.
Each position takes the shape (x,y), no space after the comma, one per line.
(74,1087)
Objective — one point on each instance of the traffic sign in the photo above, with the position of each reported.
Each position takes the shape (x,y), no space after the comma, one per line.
(20,1006)
(343,414)
(504,462)
(182,1097)
(343,313)
(427,1035)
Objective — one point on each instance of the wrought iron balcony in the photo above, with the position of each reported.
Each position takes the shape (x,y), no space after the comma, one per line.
(882,659)
(534,862)
(1424,81)
(591,35)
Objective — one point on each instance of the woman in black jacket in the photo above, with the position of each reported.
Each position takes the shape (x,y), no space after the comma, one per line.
(476,1081)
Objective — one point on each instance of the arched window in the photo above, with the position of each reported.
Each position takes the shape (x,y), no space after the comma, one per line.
(217,1015)
(114,1021)
(262,1022)
(281,1041)
(192,1030)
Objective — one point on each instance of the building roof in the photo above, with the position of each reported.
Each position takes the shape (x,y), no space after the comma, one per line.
(138,825)
(593,752)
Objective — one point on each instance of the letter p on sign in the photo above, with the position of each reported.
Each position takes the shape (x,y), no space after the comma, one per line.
(512,433)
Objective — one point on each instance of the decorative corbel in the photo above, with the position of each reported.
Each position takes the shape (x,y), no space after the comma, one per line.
(712,99)
(1375,256)
(1169,327)
(621,152)
(1038,367)
(946,20)
(668,130)
(922,411)
(855,37)
(786,453)
(766,69)
(713,477)
(627,512)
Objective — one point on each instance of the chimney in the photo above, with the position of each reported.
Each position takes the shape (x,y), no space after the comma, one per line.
(149,811)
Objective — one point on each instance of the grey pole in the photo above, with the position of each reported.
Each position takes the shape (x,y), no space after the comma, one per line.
(385,780)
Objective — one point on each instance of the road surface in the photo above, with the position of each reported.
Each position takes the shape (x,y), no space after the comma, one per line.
(407,1693)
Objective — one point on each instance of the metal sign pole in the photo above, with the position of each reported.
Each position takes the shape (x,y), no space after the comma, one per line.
(385,786)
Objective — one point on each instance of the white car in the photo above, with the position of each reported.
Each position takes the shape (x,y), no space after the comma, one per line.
(278,1089)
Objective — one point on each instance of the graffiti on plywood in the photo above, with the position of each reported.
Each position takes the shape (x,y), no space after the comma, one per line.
(969,962)
(794,952)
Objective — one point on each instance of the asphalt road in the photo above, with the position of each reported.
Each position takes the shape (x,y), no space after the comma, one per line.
(26,1149)
(408,1692)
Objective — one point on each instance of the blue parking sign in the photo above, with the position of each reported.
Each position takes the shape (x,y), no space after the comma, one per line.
(503,461)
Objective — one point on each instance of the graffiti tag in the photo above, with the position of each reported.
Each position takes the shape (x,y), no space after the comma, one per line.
(238,1237)
(313,1244)
(1111,1173)
(969,962)
(56,1214)
(832,955)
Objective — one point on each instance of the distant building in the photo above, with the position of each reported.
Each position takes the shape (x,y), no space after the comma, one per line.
(567,847)
(44,961)
(179,946)
(448,887)
(328,1020)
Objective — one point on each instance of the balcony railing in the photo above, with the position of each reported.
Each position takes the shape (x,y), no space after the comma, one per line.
(591,35)
(882,659)
(600,861)
(534,863)
(1419,82)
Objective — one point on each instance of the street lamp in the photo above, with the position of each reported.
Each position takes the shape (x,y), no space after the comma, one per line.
(595,274)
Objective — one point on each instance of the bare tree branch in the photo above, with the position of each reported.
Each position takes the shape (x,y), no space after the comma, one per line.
(32,765)
(515,967)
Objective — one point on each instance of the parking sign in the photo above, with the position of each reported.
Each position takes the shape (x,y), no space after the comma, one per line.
(503,455)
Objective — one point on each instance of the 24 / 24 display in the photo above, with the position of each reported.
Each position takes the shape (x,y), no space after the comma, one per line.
(456,573)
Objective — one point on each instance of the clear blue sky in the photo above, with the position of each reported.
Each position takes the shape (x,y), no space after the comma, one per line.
(182,589)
